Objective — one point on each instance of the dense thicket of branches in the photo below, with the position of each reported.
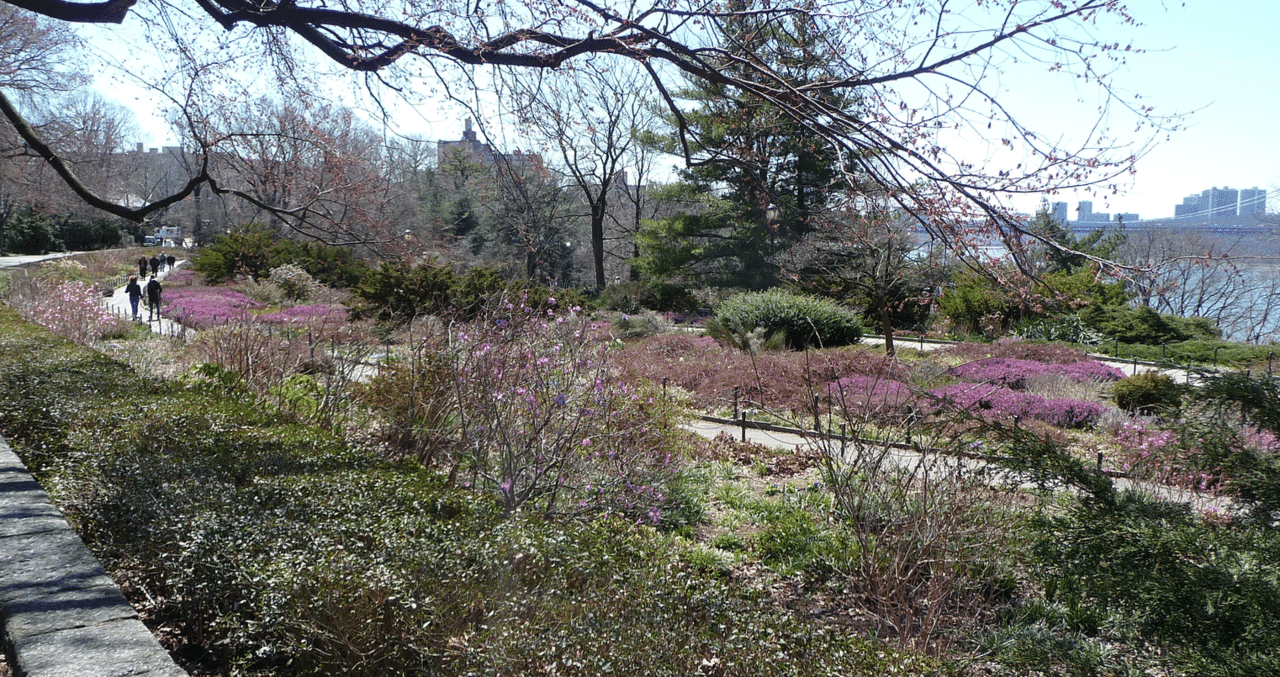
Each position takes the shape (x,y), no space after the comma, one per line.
(901,81)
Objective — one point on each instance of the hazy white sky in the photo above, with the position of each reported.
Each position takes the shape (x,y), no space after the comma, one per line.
(1214,59)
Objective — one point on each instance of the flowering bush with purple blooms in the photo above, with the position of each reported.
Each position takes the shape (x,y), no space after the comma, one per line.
(182,277)
(995,401)
(1014,373)
(204,307)
(542,422)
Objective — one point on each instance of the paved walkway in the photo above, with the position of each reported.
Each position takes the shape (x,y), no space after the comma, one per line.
(1128,367)
(118,304)
(903,457)
(15,260)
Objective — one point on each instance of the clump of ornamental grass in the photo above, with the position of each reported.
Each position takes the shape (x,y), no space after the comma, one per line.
(634,326)
(294,282)
(264,292)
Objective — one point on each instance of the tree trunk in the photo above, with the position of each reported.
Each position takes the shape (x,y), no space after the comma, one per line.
(597,237)
(886,328)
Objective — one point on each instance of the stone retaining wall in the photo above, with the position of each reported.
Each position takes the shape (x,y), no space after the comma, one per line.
(62,616)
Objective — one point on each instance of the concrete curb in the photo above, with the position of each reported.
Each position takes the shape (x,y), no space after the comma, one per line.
(60,612)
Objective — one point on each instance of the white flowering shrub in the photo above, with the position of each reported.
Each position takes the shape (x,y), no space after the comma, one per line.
(296,283)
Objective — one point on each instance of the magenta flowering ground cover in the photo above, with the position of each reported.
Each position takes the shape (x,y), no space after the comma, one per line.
(995,401)
(1014,373)
(204,307)
(871,394)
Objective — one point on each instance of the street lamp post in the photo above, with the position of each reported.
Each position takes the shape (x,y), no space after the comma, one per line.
(771,221)
(771,216)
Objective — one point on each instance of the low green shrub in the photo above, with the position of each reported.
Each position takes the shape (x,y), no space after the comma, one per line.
(1067,329)
(1147,393)
(1144,325)
(1203,586)
(639,326)
(802,321)
(1197,352)
(398,294)
(635,296)
(256,249)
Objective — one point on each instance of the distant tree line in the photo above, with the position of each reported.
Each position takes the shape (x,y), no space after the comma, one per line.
(27,230)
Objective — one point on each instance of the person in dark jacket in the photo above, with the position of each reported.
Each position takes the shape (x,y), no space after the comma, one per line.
(134,290)
(172,260)
(153,299)
(142,267)
(155,266)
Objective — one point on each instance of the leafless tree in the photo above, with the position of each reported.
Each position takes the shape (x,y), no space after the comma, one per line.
(315,171)
(591,119)
(868,254)
(1229,279)
(914,74)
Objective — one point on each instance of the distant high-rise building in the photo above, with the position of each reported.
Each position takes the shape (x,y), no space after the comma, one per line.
(1189,207)
(1060,212)
(1084,210)
(1217,202)
(1253,201)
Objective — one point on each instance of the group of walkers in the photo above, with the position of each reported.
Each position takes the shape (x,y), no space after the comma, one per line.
(152,289)
(156,263)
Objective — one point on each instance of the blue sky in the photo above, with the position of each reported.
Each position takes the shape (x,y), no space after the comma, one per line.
(1224,65)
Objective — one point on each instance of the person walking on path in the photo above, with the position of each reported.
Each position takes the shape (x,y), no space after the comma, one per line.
(153,299)
(172,261)
(142,267)
(134,290)
(155,266)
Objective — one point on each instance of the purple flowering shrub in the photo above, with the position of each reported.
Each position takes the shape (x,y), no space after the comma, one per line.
(72,310)
(544,423)
(1154,455)
(994,401)
(182,277)
(205,307)
(1015,373)
(1199,459)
